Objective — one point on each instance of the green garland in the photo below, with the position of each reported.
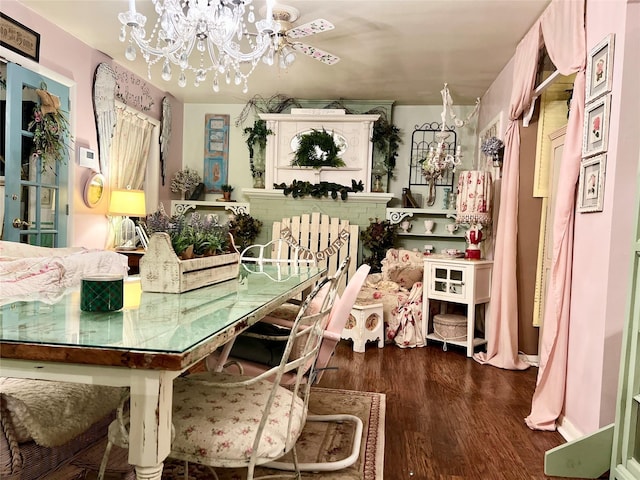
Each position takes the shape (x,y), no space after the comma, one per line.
(323,189)
(317,149)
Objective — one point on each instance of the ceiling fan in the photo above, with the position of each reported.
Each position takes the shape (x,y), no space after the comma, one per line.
(287,37)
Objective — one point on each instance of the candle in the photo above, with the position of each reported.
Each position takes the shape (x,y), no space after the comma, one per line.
(132,6)
(269,15)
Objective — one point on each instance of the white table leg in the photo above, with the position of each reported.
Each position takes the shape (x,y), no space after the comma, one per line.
(150,430)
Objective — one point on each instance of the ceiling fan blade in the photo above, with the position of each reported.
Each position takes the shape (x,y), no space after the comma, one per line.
(316,53)
(318,25)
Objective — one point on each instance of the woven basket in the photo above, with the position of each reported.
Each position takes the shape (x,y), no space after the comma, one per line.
(450,327)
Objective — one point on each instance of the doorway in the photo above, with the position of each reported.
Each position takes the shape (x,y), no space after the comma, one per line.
(35,196)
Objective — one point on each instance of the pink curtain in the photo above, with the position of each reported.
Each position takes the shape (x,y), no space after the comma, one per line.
(562,26)
(564,36)
(502,346)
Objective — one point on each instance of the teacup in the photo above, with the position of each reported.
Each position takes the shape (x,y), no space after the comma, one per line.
(428,226)
(452,227)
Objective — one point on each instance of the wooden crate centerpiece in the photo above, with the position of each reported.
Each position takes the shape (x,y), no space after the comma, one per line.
(162,271)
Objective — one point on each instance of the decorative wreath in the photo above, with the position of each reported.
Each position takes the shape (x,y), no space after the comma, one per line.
(317,149)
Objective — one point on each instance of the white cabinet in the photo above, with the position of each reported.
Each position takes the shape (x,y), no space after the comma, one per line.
(466,282)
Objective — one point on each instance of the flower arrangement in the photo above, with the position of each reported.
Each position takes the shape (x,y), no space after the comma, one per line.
(190,236)
(185,181)
(492,147)
(50,129)
(378,237)
(316,149)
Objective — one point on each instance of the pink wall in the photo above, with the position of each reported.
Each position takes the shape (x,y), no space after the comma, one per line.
(67,56)
(602,251)
(603,254)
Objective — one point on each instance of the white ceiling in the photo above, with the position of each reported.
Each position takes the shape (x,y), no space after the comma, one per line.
(401,50)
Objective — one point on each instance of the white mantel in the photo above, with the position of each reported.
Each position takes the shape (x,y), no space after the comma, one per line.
(356,130)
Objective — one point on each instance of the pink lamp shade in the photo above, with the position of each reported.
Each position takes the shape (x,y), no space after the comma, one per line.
(473,202)
(473,206)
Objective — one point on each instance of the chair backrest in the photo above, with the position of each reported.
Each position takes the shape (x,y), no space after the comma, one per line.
(250,358)
(329,239)
(307,331)
(338,319)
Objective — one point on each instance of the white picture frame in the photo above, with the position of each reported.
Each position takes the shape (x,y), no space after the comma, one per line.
(591,184)
(595,135)
(600,69)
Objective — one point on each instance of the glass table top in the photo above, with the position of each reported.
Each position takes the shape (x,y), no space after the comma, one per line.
(159,322)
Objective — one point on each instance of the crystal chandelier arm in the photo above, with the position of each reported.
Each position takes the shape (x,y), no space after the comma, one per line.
(214,31)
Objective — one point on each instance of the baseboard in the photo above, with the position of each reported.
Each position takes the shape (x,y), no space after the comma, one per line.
(568,431)
(533,360)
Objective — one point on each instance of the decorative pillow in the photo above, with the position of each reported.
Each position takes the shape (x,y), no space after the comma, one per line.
(52,413)
(405,275)
(403,267)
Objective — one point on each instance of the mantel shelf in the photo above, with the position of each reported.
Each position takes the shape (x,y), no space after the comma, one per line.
(321,169)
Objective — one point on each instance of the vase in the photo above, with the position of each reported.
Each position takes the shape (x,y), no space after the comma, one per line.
(258,167)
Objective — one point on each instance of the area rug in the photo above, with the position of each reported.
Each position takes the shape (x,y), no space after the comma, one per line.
(319,442)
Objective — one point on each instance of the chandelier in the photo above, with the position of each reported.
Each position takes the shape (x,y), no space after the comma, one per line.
(440,160)
(204,38)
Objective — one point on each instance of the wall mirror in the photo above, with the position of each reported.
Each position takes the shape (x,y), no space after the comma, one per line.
(94,190)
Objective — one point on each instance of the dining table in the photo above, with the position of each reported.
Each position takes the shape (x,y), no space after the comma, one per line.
(144,346)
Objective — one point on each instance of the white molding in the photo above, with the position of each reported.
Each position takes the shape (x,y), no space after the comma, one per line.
(533,360)
(567,429)
(259,193)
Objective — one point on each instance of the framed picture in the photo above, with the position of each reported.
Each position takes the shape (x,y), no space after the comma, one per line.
(596,127)
(591,184)
(216,152)
(600,69)
(19,38)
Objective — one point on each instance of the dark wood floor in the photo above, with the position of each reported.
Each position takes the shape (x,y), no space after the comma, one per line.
(447,416)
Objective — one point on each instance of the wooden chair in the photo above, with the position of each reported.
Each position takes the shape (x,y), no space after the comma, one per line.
(329,239)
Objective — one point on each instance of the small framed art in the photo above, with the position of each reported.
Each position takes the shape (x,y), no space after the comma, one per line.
(596,127)
(600,69)
(591,184)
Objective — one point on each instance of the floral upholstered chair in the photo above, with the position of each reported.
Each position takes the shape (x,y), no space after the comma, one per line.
(399,288)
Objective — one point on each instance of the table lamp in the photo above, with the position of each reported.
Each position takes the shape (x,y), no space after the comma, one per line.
(473,207)
(127,203)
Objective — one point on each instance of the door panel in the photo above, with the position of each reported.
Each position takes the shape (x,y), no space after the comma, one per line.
(36,195)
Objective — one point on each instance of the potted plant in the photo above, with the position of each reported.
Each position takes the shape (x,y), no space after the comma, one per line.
(378,237)
(317,148)
(186,253)
(256,139)
(493,148)
(245,229)
(226,191)
(386,143)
